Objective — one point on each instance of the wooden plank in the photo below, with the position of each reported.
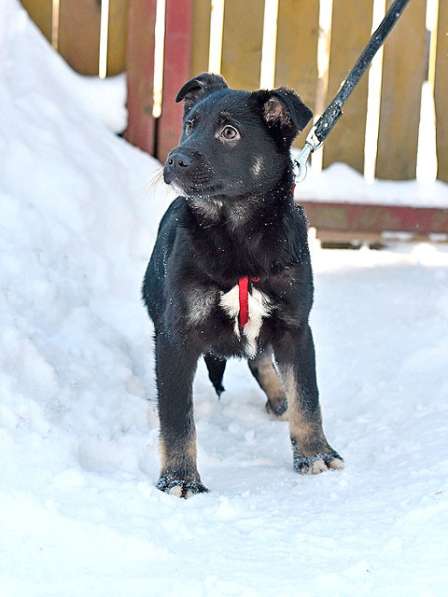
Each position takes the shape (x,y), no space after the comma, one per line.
(337,239)
(296,55)
(348,38)
(343,240)
(441,91)
(176,70)
(79,34)
(140,73)
(117,34)
(404,68)
(242,43)
(41,13)
(201,36)
(376,218)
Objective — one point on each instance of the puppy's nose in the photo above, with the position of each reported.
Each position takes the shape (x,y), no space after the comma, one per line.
(177,164)
(179,160)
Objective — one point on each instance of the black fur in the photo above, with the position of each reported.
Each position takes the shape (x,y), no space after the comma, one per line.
(236,217)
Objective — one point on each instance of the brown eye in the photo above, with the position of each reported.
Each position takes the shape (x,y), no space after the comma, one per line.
(229,133)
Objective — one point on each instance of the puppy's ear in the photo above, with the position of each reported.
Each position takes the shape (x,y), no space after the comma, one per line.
(283,110)
(198,88)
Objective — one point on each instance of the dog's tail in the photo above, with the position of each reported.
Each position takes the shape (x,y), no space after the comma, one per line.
(216,367)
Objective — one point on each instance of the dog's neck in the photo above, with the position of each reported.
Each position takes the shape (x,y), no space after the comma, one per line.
(252,210)
(245,236)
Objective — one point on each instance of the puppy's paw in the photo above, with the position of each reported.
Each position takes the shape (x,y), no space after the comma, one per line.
(180,487)
(278,409)
(318,463)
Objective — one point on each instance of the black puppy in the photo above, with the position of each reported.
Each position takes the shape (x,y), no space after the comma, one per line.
(230,274)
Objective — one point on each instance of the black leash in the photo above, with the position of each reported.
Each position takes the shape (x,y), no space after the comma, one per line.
(326,122)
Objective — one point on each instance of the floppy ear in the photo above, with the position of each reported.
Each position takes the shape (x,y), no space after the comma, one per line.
(283,109)
(198,88)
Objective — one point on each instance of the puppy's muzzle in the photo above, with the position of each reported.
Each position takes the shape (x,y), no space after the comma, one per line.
(177,165)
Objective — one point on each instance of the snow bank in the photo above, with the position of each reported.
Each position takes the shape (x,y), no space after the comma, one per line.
(76,226)
(105,99)
(79,515)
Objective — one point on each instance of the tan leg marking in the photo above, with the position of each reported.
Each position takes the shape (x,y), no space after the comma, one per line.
(180,457)
(312,453)
(270,381)
(179,475)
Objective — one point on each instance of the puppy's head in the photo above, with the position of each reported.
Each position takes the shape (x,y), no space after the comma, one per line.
(233,142)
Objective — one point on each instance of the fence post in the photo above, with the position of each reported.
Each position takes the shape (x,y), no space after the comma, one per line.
(346,143)
(79,34)
(41,13)
(441,92)
(176,70)
(200,36)
(296,56)
(117,36)
(404,65)
(140,74)
(242,42)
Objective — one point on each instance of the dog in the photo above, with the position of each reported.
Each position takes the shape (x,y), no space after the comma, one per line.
(230,274)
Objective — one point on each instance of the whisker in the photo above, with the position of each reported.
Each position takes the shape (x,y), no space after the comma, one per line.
(156,175)
(155,179)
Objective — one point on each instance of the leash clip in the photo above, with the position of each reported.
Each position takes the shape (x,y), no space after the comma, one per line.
(311,144)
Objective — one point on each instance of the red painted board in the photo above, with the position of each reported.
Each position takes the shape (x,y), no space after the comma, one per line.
(376,218)
(176,71)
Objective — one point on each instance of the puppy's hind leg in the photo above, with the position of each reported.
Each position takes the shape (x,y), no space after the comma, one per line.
(264,371)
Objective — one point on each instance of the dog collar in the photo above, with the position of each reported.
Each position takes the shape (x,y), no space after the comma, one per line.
(243,287)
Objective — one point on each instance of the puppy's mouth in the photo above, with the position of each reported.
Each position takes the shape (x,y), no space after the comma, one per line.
(169,176)
(195,186)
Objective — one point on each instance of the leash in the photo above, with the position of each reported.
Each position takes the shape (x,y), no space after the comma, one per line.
(326,122)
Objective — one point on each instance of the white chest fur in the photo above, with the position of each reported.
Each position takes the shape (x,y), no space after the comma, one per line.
(259,308)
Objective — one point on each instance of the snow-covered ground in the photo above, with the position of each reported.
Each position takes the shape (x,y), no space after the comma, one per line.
(79,514)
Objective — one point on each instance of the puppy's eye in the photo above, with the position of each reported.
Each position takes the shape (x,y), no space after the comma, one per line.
(188,127)
(229,133)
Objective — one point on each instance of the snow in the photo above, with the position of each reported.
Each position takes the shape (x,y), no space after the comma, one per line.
(103,98)
(79,513)
(341,183)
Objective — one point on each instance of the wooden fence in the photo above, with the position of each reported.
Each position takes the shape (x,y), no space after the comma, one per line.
(74,27)
(127,30)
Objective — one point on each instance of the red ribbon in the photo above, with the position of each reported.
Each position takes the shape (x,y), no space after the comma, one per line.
(243,287)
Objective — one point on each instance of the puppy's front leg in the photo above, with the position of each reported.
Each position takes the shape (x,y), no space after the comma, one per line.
(175,369)
(295,356)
